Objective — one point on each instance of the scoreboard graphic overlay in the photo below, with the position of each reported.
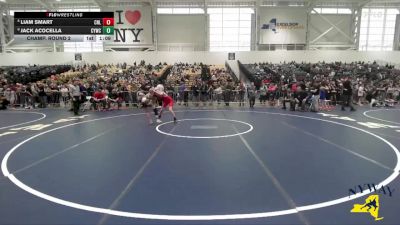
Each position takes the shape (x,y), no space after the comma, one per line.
(64,26)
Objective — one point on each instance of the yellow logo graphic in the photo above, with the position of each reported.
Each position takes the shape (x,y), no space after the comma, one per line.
(371,206)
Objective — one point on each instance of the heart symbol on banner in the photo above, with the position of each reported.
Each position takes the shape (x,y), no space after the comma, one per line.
(133,16)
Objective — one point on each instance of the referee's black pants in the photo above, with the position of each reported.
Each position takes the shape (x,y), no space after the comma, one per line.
(76,103)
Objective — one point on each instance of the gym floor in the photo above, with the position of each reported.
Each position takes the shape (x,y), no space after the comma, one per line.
(215,166)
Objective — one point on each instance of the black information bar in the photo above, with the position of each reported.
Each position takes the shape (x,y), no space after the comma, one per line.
(28,30)
(63,15)
(33,22)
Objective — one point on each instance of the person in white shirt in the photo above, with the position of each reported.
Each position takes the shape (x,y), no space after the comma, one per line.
(218,93)
(360,94)
(64,94)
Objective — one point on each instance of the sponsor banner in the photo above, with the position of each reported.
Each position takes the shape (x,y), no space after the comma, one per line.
(283,26)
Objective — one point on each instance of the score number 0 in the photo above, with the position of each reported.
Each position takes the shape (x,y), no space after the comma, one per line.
(108,26)
(108,21)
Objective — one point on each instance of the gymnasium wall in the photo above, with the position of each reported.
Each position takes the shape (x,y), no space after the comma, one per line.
(318,26)
(181,32)
(205,57)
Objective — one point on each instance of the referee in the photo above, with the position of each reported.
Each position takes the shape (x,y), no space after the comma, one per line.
(75,93)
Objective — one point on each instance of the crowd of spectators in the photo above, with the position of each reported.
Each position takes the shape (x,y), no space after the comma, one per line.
(115,80)
(317,86)
(113,84)
(200,84)
(368,82)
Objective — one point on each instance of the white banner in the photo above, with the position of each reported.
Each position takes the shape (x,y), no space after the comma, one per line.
(283,25)
(133,26)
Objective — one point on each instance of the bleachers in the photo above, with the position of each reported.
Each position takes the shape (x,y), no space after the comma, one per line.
(128,79)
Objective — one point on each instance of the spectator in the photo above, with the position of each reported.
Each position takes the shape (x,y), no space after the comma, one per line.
(251,92)
(347,95)
(3,103)
(64,95)
(360,94)
(42,96)
(75,92)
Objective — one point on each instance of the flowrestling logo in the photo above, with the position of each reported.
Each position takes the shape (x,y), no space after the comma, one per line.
(274,26)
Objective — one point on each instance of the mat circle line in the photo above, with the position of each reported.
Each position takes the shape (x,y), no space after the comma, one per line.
(42,195)
(32,121)
(375,118)
(205,137)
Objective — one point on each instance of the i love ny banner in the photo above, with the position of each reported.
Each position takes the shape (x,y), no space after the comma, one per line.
(133,26)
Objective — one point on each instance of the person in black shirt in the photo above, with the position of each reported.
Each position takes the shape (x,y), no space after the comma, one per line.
(372,96)
(227,93)
(302,96)
(3,103)
(196,92)
(30,98)
(287,95)
(241,90)
(42,97)
(204,92)
(347,99)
